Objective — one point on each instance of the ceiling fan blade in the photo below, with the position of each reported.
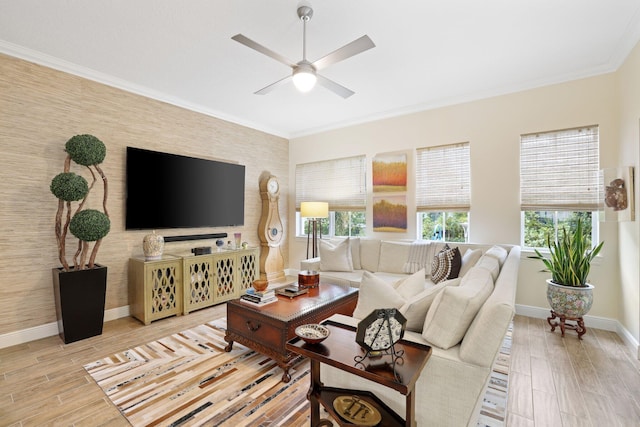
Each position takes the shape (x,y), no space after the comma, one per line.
(266,51)
(334,87)
(355,47)
(265,90)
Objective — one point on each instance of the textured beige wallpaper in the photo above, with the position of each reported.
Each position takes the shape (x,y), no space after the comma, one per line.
(40,109)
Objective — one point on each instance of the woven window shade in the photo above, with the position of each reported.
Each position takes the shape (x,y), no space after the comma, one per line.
(443,178)
(559,170)
(340,182)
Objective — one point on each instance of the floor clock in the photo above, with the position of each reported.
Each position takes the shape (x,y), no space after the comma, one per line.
(270,231)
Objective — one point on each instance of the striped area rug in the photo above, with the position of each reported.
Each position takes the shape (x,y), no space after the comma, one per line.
(187,379)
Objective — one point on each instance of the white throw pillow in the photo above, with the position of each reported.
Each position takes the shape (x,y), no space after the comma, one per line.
(393,256)
(498,252)
(415,310)
(354,242)
(335,258)
(455,307)
(469,259)
(410,286)
(375,293)
(491,264)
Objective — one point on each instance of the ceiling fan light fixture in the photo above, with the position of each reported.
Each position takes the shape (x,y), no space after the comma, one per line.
(304,78)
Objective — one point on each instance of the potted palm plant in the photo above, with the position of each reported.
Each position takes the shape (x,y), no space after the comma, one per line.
(568,292)
(80,285)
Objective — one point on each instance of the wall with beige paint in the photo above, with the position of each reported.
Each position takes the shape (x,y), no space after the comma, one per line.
(40,110)
(629,232)
(493,127)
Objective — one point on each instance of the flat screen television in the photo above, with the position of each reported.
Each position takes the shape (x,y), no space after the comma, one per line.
(171,191)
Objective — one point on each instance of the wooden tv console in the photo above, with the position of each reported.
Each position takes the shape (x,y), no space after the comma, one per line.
(180,284)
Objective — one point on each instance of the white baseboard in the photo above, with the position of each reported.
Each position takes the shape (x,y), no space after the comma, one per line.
(590,322)
(50,329)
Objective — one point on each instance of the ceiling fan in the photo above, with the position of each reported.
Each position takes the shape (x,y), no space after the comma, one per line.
(304,73)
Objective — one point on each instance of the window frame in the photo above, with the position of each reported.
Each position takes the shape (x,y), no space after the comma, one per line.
(550,196)
(300,226)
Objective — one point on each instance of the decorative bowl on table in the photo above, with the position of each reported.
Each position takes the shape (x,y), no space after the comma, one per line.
(260,285)
(312,333)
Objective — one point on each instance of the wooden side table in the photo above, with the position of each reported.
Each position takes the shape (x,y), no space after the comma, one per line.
(338,350)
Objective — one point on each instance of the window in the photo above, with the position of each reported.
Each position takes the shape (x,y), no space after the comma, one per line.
(443,192)
(558,183)
(445,226)
(341,183)
(339,224)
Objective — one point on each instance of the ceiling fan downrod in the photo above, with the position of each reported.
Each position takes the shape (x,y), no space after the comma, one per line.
(305,13)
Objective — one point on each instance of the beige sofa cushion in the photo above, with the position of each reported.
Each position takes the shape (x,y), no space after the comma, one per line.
(491,264)
(498,252)
(375,293)
(410,286)
(369,254)
(393,256)
(469,259)
(453,309)
(335,257)
(354,242)
(415,309)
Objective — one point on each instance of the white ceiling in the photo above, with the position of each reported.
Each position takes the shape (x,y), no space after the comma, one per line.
(428,53)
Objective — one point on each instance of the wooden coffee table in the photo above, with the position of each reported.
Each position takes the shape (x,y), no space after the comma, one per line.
(267,329)
(338,350)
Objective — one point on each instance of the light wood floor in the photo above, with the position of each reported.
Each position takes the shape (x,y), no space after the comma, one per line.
(553,381)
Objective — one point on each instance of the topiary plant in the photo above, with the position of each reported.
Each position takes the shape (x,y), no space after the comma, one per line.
(88,225)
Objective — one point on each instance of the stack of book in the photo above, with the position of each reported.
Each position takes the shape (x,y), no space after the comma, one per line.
(259,298)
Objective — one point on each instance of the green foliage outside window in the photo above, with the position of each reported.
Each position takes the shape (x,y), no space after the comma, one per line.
(445,226)
(349,224)
(540,224)
(345,224)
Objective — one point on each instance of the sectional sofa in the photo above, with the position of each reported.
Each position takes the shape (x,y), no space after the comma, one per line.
(464,319)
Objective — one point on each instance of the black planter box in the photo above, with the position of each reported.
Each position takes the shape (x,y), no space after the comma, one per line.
(80,297)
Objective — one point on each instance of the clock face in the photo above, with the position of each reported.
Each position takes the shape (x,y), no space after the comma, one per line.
(272,186)
(381,329)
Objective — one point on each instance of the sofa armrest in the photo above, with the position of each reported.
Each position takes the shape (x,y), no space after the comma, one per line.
(310,264)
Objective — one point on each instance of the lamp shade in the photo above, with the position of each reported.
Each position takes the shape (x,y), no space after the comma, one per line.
(304,78)
(314,209)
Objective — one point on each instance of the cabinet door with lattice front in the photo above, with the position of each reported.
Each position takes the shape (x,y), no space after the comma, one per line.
(198,282)
(225,270)
(248,264)
(163,288)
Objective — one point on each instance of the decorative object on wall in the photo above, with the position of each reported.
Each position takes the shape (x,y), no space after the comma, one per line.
(390,213)
(314,211)
(82,315)
(389,172)
(304,74)
(617,194)
(152,246)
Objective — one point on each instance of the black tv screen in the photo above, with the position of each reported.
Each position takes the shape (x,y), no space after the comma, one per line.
(172,191)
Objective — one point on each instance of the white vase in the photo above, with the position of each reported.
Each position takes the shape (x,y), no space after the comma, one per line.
(152,245)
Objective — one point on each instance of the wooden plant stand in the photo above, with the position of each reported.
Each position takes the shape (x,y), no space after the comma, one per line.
(578,326)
